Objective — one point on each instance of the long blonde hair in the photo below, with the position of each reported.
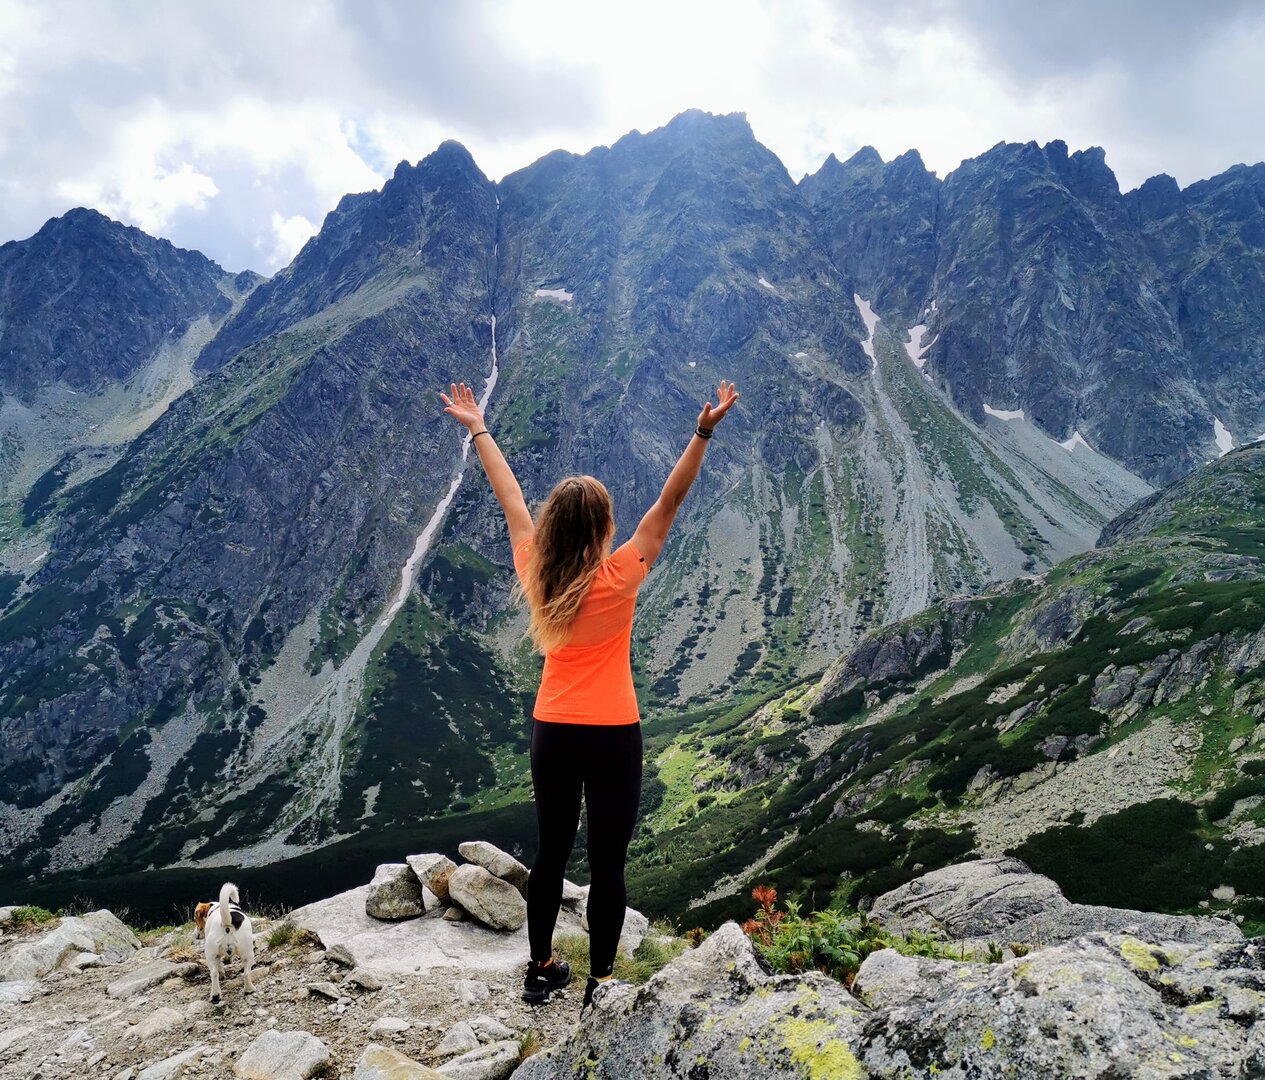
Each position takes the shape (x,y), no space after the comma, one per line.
(573,535)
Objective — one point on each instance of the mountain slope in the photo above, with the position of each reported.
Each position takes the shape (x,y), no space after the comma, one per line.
(99,328)
(1102,722)
(281,617)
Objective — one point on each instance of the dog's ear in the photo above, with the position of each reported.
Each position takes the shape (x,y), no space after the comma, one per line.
(199,915)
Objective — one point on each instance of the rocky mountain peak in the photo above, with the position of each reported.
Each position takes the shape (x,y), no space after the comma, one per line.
(866,157)
(364,235)
(87,299)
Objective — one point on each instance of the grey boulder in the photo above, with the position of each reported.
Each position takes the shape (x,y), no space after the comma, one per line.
(432,871)
(98,932)
(496,862)
(492,1062)
(1103,1005)
(395,893)
(283,1055)
(490,900)
(1001,899)
(715,1012)
(459,1039)
(382,1063)
(175,1066)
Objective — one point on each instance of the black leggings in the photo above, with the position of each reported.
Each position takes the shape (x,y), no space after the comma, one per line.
(602,763)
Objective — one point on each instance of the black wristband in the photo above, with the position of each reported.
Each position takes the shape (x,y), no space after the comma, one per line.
(703,433)
(478,433)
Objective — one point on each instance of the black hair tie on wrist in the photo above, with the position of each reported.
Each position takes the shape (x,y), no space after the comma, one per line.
(703,433)
(478,433)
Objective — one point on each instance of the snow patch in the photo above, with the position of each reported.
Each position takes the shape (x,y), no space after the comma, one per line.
(914,347)
(1009,414)
(871,321)
(1225,441)
(561,295)
(800,355)
(768,285)
(1076,440)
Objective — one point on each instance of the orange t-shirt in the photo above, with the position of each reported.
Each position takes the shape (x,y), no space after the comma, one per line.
(589,679)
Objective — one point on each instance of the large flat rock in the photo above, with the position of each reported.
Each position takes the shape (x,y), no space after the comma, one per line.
(416,944)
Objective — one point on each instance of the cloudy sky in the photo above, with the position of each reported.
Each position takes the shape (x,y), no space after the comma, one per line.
(234,127)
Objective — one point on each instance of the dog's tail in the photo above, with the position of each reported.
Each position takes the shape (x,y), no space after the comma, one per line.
(228,895)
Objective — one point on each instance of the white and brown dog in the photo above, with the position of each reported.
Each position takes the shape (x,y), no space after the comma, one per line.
(228,933)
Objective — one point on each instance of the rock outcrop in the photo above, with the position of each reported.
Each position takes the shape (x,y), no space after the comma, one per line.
(99,933)
(1101,1005)
(715,1012)
(1001,900)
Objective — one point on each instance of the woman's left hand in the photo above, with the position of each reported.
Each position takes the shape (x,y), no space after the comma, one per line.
(463,406)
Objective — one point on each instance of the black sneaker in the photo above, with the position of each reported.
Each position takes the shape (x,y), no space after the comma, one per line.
(540,981)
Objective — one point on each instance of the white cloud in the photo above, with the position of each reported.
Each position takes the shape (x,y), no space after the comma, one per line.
(290,234)
(236,127)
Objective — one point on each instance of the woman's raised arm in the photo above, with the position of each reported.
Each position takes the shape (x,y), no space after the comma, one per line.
(653,530)
(462,406)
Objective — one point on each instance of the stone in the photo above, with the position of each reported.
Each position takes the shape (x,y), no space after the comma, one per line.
(11,992)
(717,1010)
(325,990)
(175,1066)
(363,979)
(382,1063)
(489,1029)
(13,1036)
(574,895)
(160,1021)
(98,932)
(148,976)
(496,862)
(454,914)
(84,960)
(489,899)
(6,915)
(1224,893)
(339,955)
(1100,1005)
(432,871)
(492,1062)
(471,991)
(1002,899)
(458,1040)
(411,945)
(283,1055)
(395,893)
(389,1025)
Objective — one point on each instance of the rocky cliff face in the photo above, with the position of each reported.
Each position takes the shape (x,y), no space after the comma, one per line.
(1129,319)
(222,648)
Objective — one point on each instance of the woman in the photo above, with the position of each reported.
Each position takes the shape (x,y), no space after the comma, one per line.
(586,728)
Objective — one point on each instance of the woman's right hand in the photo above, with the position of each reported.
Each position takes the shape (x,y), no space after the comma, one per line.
(726,395)
(462,406)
